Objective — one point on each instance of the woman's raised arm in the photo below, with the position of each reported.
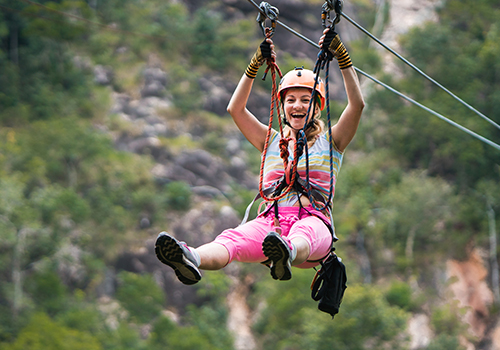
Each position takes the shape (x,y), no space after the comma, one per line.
(249,125)
(254,131)
(345,129)
(343,132)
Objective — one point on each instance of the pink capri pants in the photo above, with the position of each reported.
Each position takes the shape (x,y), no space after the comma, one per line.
(244,243)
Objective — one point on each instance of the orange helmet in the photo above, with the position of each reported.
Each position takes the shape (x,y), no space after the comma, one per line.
(302,78)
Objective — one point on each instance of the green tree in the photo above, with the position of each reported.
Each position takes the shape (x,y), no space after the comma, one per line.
(167,335)
(177,195)
(140,296)
(42,80)
(425,141)
(42,333)
(215,42)
(47,291)
(365,321)
(415,212)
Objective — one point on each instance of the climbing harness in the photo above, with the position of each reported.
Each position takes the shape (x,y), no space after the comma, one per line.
(330,281)
(291,180)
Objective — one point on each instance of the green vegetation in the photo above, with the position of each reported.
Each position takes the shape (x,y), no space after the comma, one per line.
(412,193)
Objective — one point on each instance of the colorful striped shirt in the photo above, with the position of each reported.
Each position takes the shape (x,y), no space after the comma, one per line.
(319,166)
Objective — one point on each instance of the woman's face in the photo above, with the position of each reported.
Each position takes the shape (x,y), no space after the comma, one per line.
(295,106)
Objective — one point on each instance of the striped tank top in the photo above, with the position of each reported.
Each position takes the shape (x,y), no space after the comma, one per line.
(319,166)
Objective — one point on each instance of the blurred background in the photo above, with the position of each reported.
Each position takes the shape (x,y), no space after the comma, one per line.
(113,127)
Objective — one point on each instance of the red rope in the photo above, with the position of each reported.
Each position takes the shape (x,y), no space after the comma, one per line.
(284,154)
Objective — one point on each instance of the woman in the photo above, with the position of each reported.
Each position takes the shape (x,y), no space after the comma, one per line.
(302,238)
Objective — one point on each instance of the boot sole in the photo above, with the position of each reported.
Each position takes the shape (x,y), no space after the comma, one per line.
(169,252)
(275,249)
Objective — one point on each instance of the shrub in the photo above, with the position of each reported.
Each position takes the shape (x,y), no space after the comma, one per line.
(140,296)
(177,195)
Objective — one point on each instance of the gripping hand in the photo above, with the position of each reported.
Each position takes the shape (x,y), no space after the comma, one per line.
(261,55)
(334,45)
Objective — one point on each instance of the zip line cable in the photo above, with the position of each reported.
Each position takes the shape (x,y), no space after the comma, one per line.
(440,116)
(479,137)
(418,70)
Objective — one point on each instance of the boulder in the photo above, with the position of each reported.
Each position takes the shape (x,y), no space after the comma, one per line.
(103,75)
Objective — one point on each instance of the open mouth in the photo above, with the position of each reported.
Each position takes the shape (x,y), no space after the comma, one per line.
(298,115)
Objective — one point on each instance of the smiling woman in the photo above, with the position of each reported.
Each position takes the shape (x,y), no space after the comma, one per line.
(296,105)
(291,230)
(295,93)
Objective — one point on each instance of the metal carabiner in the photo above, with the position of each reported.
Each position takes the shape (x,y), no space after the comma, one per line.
(329,5)
(267,12)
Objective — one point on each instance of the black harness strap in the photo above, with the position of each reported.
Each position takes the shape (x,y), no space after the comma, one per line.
(300,188)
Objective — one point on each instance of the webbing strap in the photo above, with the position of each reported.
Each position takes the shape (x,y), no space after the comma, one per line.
(249,207)
(300,190)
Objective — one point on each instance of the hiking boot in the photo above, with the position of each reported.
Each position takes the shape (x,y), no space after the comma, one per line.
(279,252)
(178,256)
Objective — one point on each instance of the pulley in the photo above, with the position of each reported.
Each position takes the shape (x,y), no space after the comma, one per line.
(267,12)
(328,6)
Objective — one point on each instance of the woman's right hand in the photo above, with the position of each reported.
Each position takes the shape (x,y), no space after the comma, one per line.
(267,47)
(264,52)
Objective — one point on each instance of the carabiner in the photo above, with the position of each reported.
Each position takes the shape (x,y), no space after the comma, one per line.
(329,5)
(267,12)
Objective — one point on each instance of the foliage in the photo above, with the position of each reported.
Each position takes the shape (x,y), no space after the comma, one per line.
(205,327)
(400,294)
(423,205)
(177,195)
(140,296)
(167,335)
(445,342)
(291,320)
(48,292)
(214,143)
(42,79)
(444,319)
(42,333)
(365,322)
(447,326)
(82,315)
(426,141)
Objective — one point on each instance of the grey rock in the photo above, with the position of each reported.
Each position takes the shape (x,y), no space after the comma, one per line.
(103,75)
